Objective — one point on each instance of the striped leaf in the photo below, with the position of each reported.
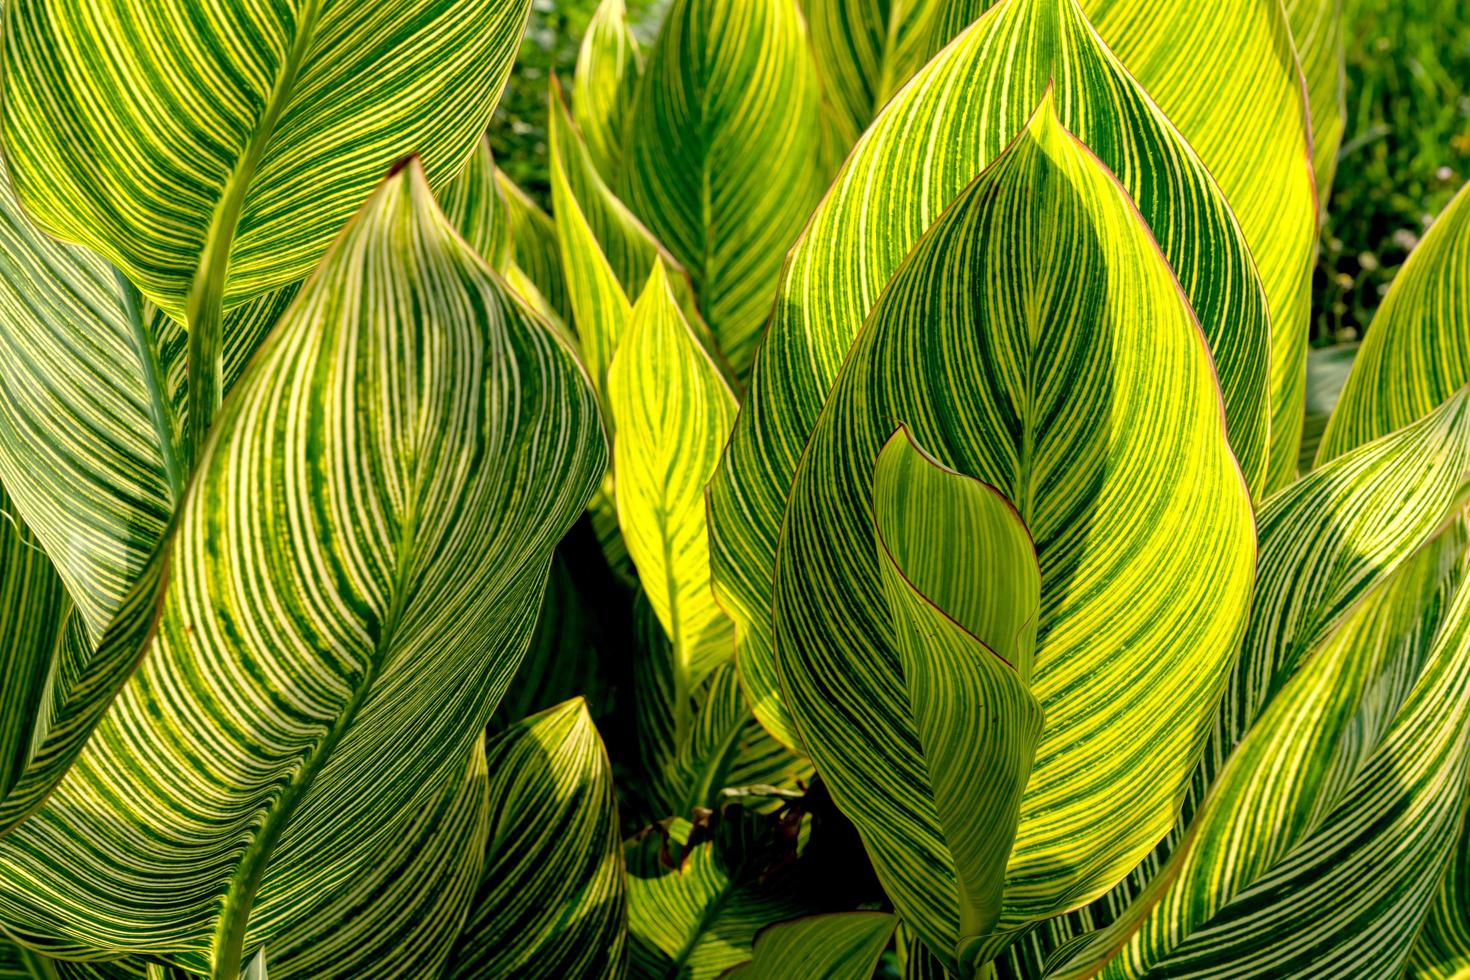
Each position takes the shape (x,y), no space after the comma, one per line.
(866,49)
(914,960)
(475,204)
(1227,75)
(1442,949)
(609,67)
(721,745)
(1035,340)
(214,157)
(551,896)
(672,411)
(837,946)
(723,160)
(1316,29)
(696,903)
(1415,354)
(1320,845)
(533,243)
(963,589)
(1327,372)
(931,141)
(363,547)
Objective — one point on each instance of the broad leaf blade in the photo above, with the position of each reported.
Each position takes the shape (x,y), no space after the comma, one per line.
(609,67)
(968,103)
(1035,340)
(551,896)
(475,204)
(836,946)
(1316,31)
(365,541)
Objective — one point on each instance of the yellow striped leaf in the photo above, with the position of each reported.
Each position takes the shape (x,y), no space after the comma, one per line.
(1327,372)
(214,157)
(353,582)
(866,49)
(609,67)
(1035,340)
(1442,950)
(475,204)
(551,896)
(671,410)
(1316,30)
(533,243)
(963,590)
(951,120)
(1227,75)
(836,946)
(1415,354)
(1320,845)
(723,160)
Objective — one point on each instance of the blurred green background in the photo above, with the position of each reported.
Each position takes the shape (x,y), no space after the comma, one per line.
(1406,149)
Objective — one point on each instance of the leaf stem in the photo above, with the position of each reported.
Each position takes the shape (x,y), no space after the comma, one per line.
(204,310)
(160,408)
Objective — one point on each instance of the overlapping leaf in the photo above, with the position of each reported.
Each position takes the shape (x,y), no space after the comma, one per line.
(533,240)
(353,583)
(1316,30)
(1035,340)
(1416,354)
(551,896)
(214,156)
(951,120)
(723,160)
(837,946)
(475,204)
(1227,75)
(609,67)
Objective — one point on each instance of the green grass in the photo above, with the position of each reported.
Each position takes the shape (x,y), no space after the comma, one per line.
(1405,153)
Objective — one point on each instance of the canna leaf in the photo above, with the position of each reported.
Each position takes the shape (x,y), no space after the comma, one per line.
(926,146)
(609,67)
(364,543)
(836,946)
(1227,75)
(1035,340)
(866,50)
(672,411)
(1414,356)
(1316,30)
(726,83)
(550,901)
(1442,949)
(966,652)
(1327,372)
(214,157)
(533,243)
(1319,846)
(475,204)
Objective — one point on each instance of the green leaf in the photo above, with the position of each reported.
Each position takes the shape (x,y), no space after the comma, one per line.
(1442,950)
(1319,847)
(1227,75)
(723,160)
(1035,340)
(364,545)
(551,897)
(1327,372)
(533,242)
(475,204)
(696,903)
(966,651)
(866,50)
(925,147)
(1316,30)
(672,412)
(1415,353)
(609,66)
(837,946)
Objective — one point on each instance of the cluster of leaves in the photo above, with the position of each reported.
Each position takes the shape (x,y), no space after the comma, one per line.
(883,519)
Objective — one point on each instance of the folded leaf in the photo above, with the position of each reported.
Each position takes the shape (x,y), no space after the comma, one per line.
(1316,30)
(1035,340)
(672,411)
(353,583)
(960,577)
(609,66)
(927,144)
(723,161)
(550,901)
(1415,354)
(1319,847)
(837,946)
(1227,75)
